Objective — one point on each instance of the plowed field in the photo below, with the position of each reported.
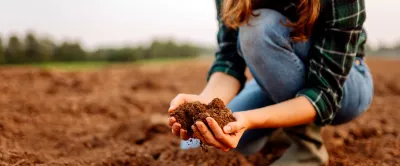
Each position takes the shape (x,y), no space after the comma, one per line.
(117,116)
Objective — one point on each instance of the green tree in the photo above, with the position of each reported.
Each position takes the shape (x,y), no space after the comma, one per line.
(187,50)
(70,52)
(38,50)
(2,58)
(32,48)
(170,49)
(98,55)
(140,53)
(122,55)
(160,49)
(47,49)
(14,51)
(153,50)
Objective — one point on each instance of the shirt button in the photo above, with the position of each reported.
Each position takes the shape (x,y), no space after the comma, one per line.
(357,62)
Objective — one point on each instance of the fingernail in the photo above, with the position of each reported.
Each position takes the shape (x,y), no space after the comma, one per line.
(208,120)
(193,128)
(176,127)
(227,129)
(198,124)
(170,107)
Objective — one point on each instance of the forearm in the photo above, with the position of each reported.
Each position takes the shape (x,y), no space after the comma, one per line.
(222,86)
(290,113)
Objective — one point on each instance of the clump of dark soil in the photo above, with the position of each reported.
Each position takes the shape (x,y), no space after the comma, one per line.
(189,113)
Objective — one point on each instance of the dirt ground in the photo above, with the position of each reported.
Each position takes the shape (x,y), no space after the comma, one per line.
(117,116)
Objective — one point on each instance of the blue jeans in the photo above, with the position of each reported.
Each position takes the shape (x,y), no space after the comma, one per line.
(279,72)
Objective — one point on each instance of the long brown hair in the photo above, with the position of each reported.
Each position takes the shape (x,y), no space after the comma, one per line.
(238,12)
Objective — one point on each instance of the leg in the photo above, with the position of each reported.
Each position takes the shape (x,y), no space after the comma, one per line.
(275,62)
(251,97)
(277,65)
(358,93)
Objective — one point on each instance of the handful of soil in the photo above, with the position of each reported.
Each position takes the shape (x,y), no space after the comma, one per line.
(188,113)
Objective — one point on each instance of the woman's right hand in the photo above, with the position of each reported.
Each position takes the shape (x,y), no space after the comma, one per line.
(175,103)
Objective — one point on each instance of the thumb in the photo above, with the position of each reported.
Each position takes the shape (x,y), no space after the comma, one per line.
(232,127)
(181,99)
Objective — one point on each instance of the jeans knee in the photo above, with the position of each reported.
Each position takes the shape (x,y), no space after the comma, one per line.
(357,95)
(267,49)
(264,28)
(245,151)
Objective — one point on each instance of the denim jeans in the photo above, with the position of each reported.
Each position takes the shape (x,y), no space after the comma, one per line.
(279,72)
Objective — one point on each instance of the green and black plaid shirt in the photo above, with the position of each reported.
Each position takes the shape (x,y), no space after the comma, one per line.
(338,38)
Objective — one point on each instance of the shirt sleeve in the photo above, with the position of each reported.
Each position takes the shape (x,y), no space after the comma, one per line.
(332,55)
(227,59)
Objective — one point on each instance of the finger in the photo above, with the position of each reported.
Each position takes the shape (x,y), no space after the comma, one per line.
(176,129)
(184,135)
(171,121)
(216,129)
(208,136)
(225,149)
(172,108)
(178,100)
(236,126)
(181,99)
(218,133)
(197,134)
(232,127)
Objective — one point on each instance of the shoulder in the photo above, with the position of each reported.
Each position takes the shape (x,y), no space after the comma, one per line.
(343,13)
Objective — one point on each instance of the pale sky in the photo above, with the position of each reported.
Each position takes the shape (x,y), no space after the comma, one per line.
(117,22)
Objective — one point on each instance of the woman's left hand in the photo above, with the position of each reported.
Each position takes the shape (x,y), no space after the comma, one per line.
(224,139)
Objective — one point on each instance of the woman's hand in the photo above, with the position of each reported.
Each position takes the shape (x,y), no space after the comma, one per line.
(224,139)
(220,85)
(175,103)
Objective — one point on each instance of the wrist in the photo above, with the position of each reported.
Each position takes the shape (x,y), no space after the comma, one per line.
(250,124)
(255,118)
(206,97)
(209,96)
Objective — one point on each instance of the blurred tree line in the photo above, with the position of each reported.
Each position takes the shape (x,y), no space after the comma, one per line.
(32,49)
(384,50)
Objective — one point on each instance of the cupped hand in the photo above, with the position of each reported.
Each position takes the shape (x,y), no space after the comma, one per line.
(175,103)
(224,139)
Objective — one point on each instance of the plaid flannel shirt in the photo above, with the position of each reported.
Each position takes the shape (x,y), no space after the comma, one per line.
(338,38)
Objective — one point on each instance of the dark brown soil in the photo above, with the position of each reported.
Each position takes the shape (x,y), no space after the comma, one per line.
(189,113)
(118,116)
